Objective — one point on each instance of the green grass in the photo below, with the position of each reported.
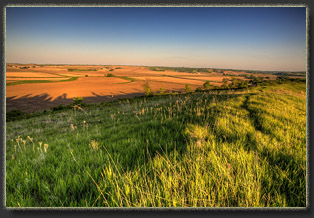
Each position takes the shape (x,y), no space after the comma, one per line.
(237,149)
(40,81)
(129,79)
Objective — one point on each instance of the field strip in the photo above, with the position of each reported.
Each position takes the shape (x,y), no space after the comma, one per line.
(40,78)
(31,74)
(21,77)
(129,79)
(40,81)
(201,78)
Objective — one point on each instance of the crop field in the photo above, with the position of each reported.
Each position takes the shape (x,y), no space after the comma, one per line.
(32,87)
(209,148)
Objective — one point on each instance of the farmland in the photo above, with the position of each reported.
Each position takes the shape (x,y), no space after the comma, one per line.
(36,87)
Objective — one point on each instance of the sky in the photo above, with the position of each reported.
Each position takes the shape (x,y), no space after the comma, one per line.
(252,38)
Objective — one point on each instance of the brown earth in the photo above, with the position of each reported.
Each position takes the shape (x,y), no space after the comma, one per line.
(29,74)
(35,78)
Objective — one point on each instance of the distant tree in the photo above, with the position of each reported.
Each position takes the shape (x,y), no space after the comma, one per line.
(161,91)
(147,88)
(187,88)
(206,85)
(225,80)
(110,75)
(243,84)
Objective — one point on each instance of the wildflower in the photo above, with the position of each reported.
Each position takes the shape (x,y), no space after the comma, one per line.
(45,147)
(85,124)
(94,145)
(72,127)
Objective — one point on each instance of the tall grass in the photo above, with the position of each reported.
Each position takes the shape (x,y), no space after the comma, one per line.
(233,149)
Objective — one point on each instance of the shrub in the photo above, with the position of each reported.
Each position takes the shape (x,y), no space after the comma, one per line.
(187,88)
(206,85)
(86,75)
(77,100)
(58,108)
(198,89)
(147,88)
(111,70)
(110,75)
(161,91)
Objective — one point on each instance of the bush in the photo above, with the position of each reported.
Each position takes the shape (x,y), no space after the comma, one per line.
(206,85)
(110,75)
(58,108)
(86,75)
(187,88)
(161,91)
(147,88)
(111,70)
(77,100)
(198,89)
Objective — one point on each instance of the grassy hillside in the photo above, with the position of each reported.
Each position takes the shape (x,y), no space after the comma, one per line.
(237,148)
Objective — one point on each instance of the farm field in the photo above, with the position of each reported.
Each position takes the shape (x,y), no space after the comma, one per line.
(172,150)
(33,87)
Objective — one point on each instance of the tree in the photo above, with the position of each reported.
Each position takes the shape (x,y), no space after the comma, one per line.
(206,85)
(147,88)
(187,88)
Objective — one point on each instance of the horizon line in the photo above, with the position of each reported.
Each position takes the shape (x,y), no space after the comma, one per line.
(168,66)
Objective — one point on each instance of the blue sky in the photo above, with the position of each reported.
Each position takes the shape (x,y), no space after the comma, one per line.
(256,38)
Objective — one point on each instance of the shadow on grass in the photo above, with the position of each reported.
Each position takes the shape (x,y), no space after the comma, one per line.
(29,103)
